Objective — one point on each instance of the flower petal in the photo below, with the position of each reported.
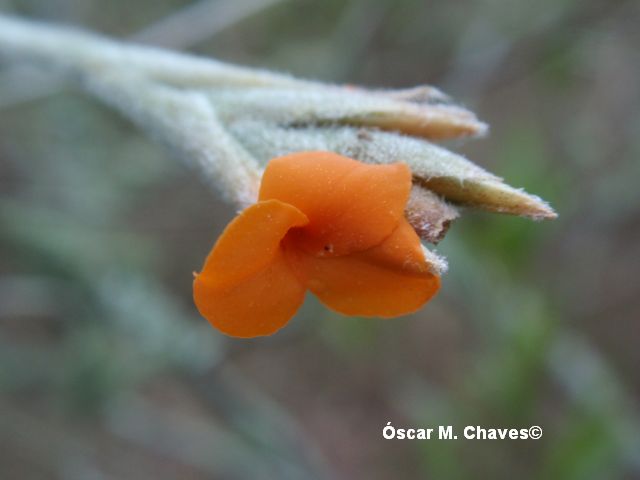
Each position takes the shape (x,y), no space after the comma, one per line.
(246,287)
(258,305)
(250,242)
(388,280)
(351,205)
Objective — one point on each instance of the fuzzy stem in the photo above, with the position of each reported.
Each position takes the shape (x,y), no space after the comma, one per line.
(74,51)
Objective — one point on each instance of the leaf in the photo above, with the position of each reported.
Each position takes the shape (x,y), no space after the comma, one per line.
(435,168)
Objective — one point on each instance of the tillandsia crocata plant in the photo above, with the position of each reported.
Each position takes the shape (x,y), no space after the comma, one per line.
(336,184)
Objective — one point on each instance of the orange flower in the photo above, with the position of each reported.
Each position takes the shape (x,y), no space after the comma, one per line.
(325,223)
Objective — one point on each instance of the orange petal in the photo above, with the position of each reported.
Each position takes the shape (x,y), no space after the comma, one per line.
(259,305)
(388,280)
(250,242)
(246,287)
(351,205)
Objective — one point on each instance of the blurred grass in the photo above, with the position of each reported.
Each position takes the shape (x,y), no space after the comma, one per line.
(106,371)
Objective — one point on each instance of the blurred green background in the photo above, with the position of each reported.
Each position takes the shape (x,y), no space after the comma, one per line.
(107,371)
